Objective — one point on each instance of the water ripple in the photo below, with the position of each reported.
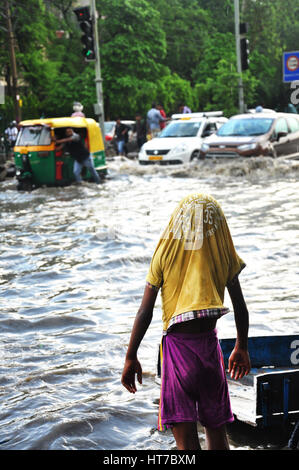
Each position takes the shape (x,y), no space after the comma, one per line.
(73,265)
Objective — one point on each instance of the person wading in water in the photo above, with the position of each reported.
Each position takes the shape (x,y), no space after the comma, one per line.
(194,261)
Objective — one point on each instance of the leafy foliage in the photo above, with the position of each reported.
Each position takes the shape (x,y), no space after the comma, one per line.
(169,51)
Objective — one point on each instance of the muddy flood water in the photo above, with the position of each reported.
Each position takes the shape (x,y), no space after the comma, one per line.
(73,267)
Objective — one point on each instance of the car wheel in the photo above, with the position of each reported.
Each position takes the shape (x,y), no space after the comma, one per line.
(195,155)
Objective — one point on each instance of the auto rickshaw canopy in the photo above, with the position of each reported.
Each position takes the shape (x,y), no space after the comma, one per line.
(94,134)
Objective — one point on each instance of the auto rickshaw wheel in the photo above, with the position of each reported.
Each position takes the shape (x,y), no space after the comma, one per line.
(102,173)
(25,186)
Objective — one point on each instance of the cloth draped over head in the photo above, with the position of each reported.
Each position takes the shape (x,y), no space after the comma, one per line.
(195,260)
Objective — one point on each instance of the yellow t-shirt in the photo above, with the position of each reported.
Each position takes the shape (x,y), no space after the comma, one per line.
(195,258)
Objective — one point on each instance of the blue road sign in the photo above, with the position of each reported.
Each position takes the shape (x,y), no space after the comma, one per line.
(290,66)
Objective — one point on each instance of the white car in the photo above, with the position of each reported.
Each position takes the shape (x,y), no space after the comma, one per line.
(180,141)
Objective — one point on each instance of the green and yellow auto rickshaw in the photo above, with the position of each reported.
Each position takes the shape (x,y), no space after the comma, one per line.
(38,162)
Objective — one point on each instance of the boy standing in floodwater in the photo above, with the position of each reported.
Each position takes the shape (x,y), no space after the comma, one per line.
(194,261)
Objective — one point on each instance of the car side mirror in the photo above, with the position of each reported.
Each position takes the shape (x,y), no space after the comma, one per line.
(208,133)
(281,134)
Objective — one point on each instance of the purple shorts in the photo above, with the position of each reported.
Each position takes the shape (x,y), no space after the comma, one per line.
(193,381)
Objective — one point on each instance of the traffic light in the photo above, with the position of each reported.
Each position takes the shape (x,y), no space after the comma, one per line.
(86,25)
(244,43)
(244,46)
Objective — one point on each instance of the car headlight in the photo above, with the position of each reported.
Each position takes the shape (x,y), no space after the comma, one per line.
(204,147)
(180,148)
(245,147)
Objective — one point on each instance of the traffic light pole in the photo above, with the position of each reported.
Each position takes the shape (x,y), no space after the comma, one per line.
(98,79)
(13,62)
(238,49)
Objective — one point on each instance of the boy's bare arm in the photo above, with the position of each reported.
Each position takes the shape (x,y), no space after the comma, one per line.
(141,324)
(239,361)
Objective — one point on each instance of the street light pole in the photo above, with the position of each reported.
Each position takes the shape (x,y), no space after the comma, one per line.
(98,79)
(238,50)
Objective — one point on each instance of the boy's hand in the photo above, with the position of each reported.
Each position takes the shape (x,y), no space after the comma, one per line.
(239,363)
(131,367)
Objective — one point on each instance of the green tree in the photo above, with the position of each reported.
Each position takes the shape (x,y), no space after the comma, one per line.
(167,50)
(132,44)
(271,33)
(173,90)
(186,26)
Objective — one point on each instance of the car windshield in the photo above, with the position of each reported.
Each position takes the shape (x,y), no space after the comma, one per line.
(181,129)
(34,135)
(245,127)
(108,126)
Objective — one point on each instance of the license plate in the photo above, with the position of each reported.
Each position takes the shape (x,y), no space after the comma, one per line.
(155,157)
